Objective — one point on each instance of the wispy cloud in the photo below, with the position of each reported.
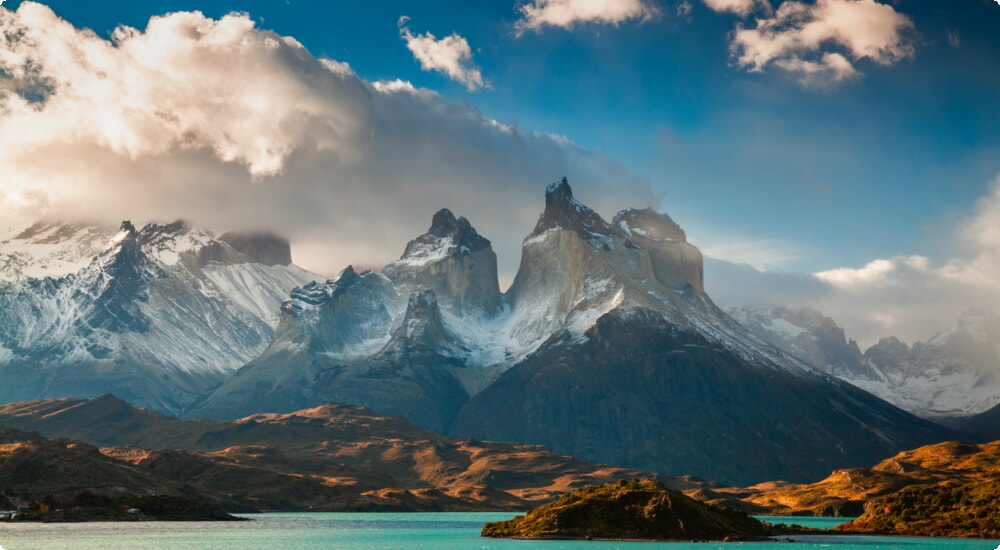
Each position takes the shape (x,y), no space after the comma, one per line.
(739,7)
(230,126)
(684,10)
(568,13)
(450,55)
(808,38)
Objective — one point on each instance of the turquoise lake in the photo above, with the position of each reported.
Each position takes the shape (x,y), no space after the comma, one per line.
(443,531)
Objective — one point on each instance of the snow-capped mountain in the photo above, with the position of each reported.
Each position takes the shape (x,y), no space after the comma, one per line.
(808,335)
(45,249)
(605,347)
(159,316)
(956,373)
(415,339)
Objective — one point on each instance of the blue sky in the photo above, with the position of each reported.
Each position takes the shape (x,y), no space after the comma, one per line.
(804,177)
(782,168)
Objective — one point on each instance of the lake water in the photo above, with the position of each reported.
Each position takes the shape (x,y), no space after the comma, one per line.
(439,531)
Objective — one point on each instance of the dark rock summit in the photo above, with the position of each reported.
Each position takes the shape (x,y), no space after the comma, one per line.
(562,211)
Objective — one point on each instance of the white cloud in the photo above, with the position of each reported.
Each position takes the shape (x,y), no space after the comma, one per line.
(451,55)
(798,35)
(739,7)
(568,13)
(907,296)
(233,127)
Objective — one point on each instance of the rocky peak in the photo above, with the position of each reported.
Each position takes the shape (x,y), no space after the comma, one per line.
(890,351)
(446,237)
(453,259)
(650,224)
(562,211)
(127,227)
(347,279)
(422,334)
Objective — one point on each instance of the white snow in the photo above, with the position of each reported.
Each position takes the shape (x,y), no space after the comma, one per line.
(54,250)
(425,252)
(785,328)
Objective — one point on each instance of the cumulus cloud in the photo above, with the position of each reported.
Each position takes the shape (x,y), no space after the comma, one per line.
(798,37)
(739,7)
(451,55)
(910,297)
(568,13)
(233,127)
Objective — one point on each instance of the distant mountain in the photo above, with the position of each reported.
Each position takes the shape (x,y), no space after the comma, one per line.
(364,459)
(606,347)
(956,373)
(985,424)
(159,315)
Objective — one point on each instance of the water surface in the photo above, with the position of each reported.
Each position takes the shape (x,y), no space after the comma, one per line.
(438,531)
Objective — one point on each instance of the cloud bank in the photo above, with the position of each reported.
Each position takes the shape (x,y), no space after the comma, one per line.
(569,13)
(907,296)
(233,127)
(451,55)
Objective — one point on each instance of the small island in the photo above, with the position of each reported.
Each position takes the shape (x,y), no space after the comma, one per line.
(87,506)
(630,510)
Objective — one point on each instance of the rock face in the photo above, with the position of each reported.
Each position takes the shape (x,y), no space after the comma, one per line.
(629,510)
(952,374)
(153,317)
(605,347)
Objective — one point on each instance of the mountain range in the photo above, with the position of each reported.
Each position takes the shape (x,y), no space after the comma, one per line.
(159,314)
(953,374)
(605,347)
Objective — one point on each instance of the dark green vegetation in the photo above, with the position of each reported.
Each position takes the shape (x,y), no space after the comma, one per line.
(87,506)
(969,510)
(629,510)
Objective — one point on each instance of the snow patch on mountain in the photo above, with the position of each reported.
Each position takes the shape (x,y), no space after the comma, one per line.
(428,251)
(47,249)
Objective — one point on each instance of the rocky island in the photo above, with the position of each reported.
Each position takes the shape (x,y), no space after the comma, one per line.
(636,510)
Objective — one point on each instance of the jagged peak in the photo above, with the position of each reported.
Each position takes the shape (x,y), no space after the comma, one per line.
(347,279)
(448,236)
(563,211)
(127,226)
(443,223)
